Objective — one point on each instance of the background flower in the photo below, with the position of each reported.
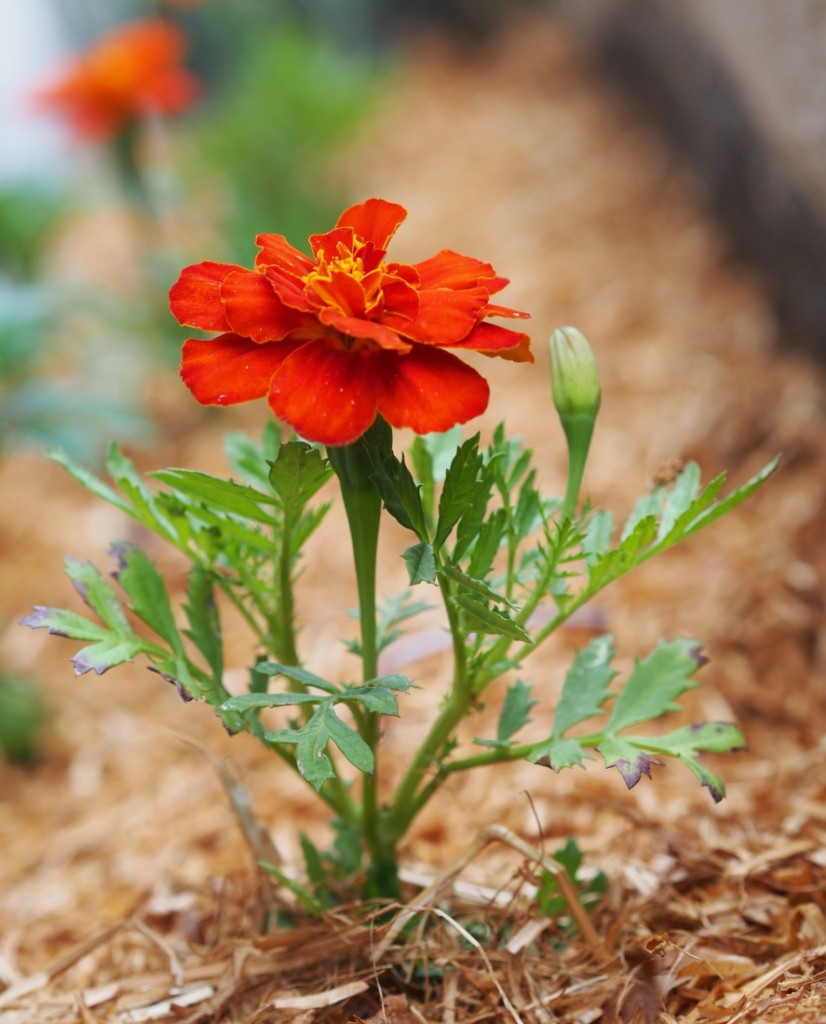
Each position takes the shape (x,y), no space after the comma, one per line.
(337,338)
(131,73)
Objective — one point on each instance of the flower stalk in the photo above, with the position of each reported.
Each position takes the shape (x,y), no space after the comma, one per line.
(576,394)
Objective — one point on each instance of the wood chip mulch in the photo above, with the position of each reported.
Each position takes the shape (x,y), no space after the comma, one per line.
(127,886)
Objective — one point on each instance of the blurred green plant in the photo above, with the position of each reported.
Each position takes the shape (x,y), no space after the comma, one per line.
(29,215)
(51,396)
(266,143)
(22,715)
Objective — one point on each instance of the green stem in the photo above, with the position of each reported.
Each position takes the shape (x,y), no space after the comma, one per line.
(362,505)
(409,798)
(579,429)
(281,626)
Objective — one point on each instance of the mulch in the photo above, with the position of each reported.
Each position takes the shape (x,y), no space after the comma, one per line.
(128,890)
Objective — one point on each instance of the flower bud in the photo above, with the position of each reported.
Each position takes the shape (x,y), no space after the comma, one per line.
(576,394)
(574,377)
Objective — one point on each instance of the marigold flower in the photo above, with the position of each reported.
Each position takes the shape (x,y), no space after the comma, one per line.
(129,74)
(339,338)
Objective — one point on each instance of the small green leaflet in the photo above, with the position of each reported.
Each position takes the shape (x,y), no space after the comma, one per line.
(217,494)
(516,713)
(470,585)
(312,739)
(483,619)
(461,488)
(204,623)
(376,695)
(655,683)
(149,598)
(298,473)
(598,533)
(399,491)
(421,563)
(585,689)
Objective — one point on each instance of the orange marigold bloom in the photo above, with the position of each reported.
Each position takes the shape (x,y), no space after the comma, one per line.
(339,338)
(131,73)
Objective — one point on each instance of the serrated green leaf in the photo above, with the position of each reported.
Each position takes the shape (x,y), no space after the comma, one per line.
(646,507)
(560,753)
(219,495)
(113,650)
(714,737)
(586,685)
(516,710)
(398,490)
(95,592)
(89,480)
(375,699)
(487,620)
(142,502)
(598,533)
(64,623)
(311,742)
(475,515)
(679,498)
(298,675)
(250,459)
(470,585)
(734,499)
(487,544)
(631,760)
(298,473)
(655,683)
(421,563)
(204,621)
(348,741)
(620,559)
(441,446)
(149,599)
(462,487)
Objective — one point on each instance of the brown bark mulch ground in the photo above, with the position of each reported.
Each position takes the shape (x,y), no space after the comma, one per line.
(127,888)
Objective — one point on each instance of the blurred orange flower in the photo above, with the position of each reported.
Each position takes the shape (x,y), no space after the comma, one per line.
(336,339)
(132,72)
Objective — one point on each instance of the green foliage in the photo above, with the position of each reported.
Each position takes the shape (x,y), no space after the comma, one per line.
(550,900)
(22,716)
(267,139)
(29,216)
(510,568)
(324,726)
(36,405)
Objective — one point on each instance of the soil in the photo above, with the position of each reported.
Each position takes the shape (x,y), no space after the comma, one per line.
(128,889)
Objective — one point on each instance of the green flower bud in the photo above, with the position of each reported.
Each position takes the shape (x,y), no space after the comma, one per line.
(576,394)
(574,377)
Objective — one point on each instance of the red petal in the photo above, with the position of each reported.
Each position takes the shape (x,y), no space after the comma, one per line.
(374,220)
(493,340)
(291,290)
(277,252)
(229,369)
(428,390)
(445,317)
(400,298)
(353,327)
(253,309)
(340,291)
(195,298)
(448,269)
(506,311)
(325,392)
(327,244)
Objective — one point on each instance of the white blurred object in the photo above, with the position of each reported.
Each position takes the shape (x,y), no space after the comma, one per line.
(32,48)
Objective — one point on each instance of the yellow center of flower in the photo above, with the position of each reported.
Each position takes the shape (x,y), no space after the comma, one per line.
(343,283)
